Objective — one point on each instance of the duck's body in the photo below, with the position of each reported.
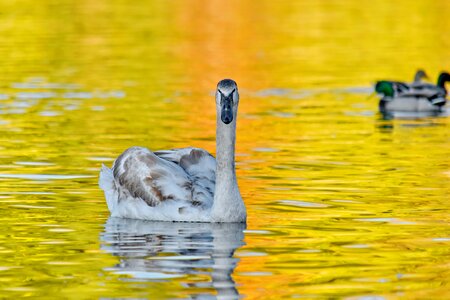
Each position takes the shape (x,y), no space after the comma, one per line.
(415,97)
(185,184)
(411,103)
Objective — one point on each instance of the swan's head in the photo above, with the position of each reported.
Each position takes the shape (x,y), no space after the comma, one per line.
(227,99)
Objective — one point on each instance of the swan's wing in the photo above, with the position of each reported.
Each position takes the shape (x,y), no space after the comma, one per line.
(174,155)
(196,162)
(199,164)
(140,173)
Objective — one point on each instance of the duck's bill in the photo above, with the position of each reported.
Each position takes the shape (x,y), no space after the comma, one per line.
(371,95)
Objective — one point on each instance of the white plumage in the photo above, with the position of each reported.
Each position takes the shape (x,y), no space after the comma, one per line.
(144,185)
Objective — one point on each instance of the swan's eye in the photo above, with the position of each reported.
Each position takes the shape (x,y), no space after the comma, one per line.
(226,99)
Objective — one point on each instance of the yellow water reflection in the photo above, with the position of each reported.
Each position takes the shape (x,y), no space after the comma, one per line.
(341,203)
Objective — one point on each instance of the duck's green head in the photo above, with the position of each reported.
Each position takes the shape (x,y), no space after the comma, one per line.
(385,87)
(442,79)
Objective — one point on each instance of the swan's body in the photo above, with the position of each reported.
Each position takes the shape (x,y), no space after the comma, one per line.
(418,96)
(185,184)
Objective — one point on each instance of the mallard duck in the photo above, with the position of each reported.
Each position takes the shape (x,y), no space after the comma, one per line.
(419,76)
(186,184)
(415,97)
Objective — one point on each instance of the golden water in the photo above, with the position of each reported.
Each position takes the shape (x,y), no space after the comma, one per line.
(341,203)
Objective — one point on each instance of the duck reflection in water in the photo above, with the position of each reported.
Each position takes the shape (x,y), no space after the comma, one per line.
(155,251)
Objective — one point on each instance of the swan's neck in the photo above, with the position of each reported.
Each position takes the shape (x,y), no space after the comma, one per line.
(228,205)
(225,142)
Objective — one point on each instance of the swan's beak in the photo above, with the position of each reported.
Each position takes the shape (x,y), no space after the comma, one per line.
(226,105)
(227,113)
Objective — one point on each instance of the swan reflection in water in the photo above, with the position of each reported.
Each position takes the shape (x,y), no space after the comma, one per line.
(155,251)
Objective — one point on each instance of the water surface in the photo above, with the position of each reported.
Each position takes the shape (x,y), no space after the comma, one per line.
(342,203)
